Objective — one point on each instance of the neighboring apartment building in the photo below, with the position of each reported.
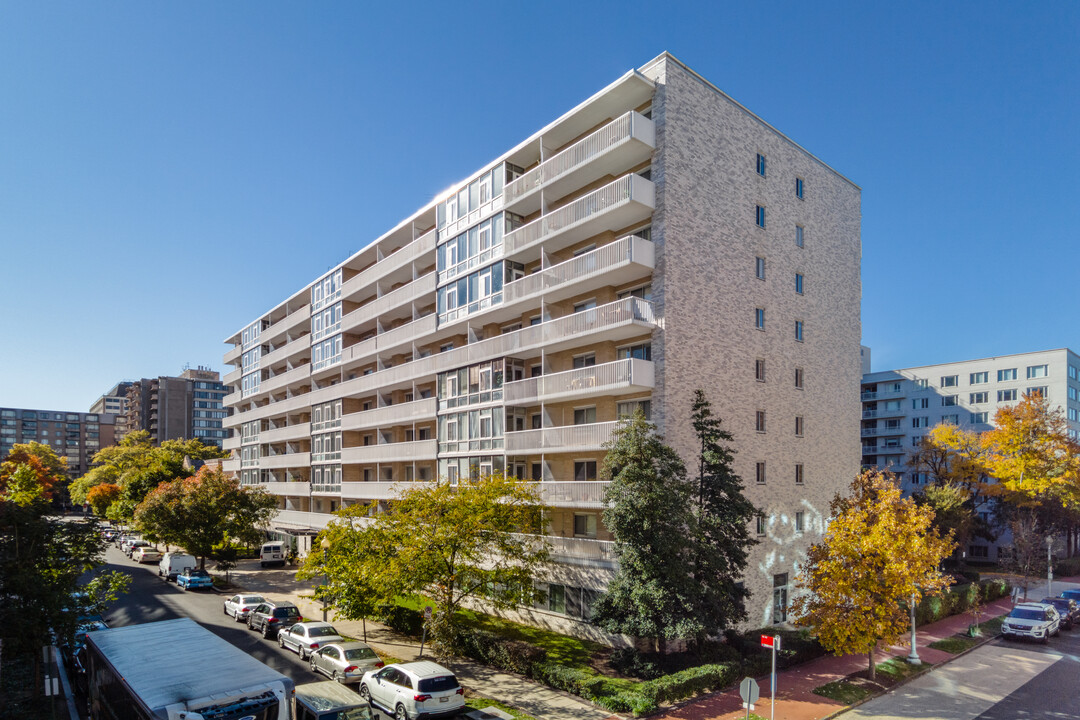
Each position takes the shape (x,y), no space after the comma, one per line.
(171,408)
(900,406)
(114,402)
(72,435)
(656,239)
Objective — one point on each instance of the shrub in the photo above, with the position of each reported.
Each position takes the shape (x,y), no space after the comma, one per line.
(515,656)
(401,619)
(1067,567)
(629,661)
(796,647)
(691,681)
(958,599)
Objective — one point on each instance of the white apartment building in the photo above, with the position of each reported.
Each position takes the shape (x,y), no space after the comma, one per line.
(656,239)
(900,406)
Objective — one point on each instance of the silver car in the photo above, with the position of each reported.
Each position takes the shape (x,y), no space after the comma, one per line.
(345,662)
(240,605)
(304,637)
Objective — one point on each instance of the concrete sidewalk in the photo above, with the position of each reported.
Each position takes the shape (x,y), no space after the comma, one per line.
(537,700)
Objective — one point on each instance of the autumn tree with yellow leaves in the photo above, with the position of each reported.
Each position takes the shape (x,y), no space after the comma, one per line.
(879,551)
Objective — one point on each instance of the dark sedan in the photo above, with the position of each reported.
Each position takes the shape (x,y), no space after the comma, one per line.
(1068,608)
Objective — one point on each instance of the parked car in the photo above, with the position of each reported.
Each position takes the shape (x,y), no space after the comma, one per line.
(414,691)
(303,637)
(135,545)
(240,605)
(1033,620)
(344,661)
(193,578)
(125,542)
(271,616)
(1069,610)
(174,563)
(272,553)
(146,554)
(108,534)
(1071,594)
(325,700)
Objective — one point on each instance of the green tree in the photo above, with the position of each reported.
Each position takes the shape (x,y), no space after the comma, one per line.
(202,511)
(649,514)
(722,540)
(879,552)
(451,542)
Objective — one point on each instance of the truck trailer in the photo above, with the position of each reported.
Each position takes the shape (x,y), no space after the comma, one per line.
(178,670)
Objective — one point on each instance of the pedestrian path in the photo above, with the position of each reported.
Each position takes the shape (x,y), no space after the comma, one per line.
(537,700)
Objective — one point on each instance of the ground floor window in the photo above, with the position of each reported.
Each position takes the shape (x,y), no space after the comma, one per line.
(780,597)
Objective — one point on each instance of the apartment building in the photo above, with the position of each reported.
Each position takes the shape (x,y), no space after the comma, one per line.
(76,436)
(114,402)
(900,406)
(656,239)
(184,407)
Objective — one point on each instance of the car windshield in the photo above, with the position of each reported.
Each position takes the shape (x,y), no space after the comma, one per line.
(438,684)
(324,631)
(364,653)
(251,599)
(286,612)
(198,573)
(1027,614)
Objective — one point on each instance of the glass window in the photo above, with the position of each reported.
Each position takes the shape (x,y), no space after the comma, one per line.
(759,423)
(799,378)
(799,283)
(760,524)
(760,469)
(800,188)
(978,418)
(799,330)
(798,473)
(948,401)
(759,268)
(760,216)
(1036,371)
(1006,375)
(949,380)
(799,425)
(798,235)
(585,416)
(759,370)
(759,318)
(584,470)
(978,378)
(1006,395)
(780,597)
(761,165)
(585,525)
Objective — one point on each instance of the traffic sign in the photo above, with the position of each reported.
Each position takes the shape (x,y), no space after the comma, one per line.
(770,641)
(749,690)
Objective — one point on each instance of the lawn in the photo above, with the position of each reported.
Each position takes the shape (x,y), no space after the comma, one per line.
(960,642)
(479,703)
(857,687)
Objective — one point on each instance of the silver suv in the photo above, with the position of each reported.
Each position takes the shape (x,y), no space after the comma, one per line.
(272,616)
(1033,620)
(418,690)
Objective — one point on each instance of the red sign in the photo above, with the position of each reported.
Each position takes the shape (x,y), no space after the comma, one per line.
(766,641)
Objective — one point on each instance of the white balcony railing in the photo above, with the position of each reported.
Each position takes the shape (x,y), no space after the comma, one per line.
(378,490)
(299,431)
(565,438)
(285,460)
(578,550)
(628,374)
(294,489)
(577,494)
(300,518)
(391,452)
(359,283)
(390,415)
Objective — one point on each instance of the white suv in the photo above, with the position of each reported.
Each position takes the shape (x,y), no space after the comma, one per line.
(1033,620)
(414,691)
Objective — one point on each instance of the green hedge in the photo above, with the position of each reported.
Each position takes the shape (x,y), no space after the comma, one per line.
(515,656)
(958,599)
(796,647)
(401,619)
(1067,567)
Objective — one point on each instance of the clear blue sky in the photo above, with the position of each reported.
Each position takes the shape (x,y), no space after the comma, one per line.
(161,163)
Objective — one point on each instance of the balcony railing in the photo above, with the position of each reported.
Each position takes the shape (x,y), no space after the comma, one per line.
(397,259)
(285,460)
(288,432)
(302,519)
(378,490)
(395,298)
(629,375)
(882,431)
(585,551)
(390,452)
(294,489)
(577,494)
(400,337)
(389,415)
(606,138)
(880,394)
(578,214)
(560,439)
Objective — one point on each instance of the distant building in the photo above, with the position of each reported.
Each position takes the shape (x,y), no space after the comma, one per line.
(173,408)
(73,435)
(114,402)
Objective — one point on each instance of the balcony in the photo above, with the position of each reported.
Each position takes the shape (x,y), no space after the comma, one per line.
(883,431)
(269,385)
(390,415)
(579,551)
(575,494)
(622,143)
(390,452)
(358,284)
(297,519)
(285,460)
(623,202)
(615,263)
(230,465)
(408,293)
(232,355)
(299,345)
(289,432)
(378,490)
(232,443)
(881,394)
(614,378)
(294,320)
(399,339)
(232,377)
(566,438)
(294,489)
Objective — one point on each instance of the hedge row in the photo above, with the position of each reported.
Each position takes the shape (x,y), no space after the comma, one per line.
(1067,567)
(958,599)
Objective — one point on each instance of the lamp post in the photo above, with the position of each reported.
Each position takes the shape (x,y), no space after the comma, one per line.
(325,544)
(1049,567)
(913,658)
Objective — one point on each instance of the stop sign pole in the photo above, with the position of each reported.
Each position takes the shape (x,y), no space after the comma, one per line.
(772,641)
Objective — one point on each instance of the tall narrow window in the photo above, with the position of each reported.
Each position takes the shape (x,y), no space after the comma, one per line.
(798,473)
(759,523)
(760,422)
(761,473)
(799,283)
(759,318)
(799,330)
(780,598)
(798,235)
(760,213)
(798,426)
(799,522)
(761,165)
(759,370)
(759,268)
(800,187)
(799,378)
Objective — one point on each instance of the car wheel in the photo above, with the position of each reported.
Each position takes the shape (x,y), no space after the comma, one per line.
(364,693)
(281,642)
(236,616)
(313,666)
(225,610)
(339,676)
(400,714)
(250,625)
(1046,638)
(301,652)
(266,632)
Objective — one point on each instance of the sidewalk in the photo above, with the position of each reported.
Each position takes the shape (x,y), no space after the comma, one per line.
(537,700)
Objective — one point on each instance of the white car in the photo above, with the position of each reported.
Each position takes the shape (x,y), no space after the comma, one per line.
(419,690)
(305,637)
(146,554)
(240,605)
(1033,620)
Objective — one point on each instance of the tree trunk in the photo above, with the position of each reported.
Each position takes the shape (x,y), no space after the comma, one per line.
(873,668)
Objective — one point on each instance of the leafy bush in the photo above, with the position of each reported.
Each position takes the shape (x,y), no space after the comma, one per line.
(958,599)
(401,619)
(1067,567)
(796,647)
(629,661)
(692,681)
(515,656)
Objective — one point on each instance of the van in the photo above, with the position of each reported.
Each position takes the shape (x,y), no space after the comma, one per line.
(174,563)
(272,553)
(328,700)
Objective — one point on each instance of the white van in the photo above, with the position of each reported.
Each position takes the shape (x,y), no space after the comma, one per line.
(174,563)
(272,553)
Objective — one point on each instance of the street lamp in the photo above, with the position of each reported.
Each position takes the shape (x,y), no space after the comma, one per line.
(1049,567)
(325,544)
(913,658)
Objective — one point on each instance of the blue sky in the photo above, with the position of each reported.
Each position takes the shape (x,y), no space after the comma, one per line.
(161,162)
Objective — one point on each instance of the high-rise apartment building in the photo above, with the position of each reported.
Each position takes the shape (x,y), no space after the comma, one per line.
(114,402)
(76,436)
(171,408)
(656,239)
(901,406)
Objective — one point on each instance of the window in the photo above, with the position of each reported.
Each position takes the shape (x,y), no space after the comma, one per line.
(798,426)
(759,268)
(979,551)
(760,422)
(978,397)
(916,440)
(760,524)
(920,403)
(798,236)
(1005,375)
(1073,372)
(584,470)
(780,599)
(587,305)
(920,422)
(948,401)
(761,165)
(1039,390)
(799,378)
(760,216)
(1006,395)
(585,525)
(1036,371)
(630,407)
(798,522)
(557,598)
(759,318)
(920,383)
(761,473)
(1072,393)
(798,473)
(759,370)
(978,418)
(800,187)
(949,380)
(585,416)
(637,352)
(950,419)
(799,283)
(584,361)
(799,330)
(978,378)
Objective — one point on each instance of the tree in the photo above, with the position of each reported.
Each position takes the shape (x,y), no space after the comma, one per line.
(880,551)
(102,496)
(49,469)
(472,540)
(1026,556)
(723,526)
(201,511)
(955,512)
(649,514)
